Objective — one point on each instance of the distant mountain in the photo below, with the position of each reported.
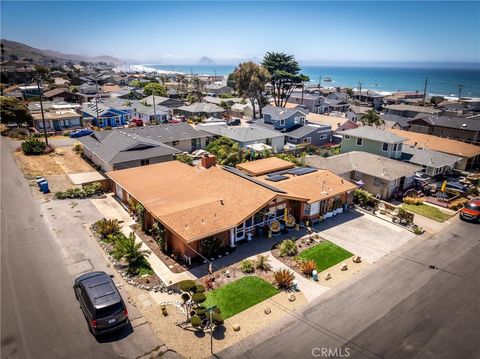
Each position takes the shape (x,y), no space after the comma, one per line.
(17,50)
(206,61)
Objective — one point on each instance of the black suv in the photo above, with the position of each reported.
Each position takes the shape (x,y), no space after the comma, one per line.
(101,302)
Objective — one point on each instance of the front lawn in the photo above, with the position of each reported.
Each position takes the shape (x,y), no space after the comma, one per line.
(237,296)
(325,254)
(427,211)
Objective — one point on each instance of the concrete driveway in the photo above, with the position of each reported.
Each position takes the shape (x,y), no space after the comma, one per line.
(364,235)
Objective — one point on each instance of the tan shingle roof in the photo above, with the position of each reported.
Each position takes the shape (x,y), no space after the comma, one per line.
(438,143)
(263,166)
(193,202)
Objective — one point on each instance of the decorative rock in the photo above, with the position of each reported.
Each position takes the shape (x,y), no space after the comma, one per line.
(291,297)
(267,310)
(344,267)
(328,276)
(356,259)
(236,327)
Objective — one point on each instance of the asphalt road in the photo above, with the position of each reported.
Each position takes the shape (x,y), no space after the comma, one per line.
(398,308)
(40,317)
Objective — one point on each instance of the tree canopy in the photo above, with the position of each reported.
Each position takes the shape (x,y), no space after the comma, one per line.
(285,75)
(13,111)
(229,152)
(371,118)
(250,80)
(155,88)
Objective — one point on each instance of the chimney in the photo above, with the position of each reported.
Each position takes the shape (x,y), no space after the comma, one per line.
(208,161)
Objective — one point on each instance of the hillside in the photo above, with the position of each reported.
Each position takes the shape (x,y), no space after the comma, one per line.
(22,51)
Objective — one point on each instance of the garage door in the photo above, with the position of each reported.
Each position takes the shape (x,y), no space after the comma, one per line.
(119,191)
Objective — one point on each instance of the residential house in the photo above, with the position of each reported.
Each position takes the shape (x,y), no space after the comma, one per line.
(62,94)
(139,146)
(469,153)
(163,101)
(218,89)
(369,97)
(433,162)
(317,103)
(147,114)
(244,110)
(355,113)
(456,128)
(246,136)
(337,124)
(395,121)
(401,97)
(410,110)
(372,140)
(200,109)
(58,120)
(379,175)
(17,72)
(88,88)
(103,114)
(197,203)
(292,123)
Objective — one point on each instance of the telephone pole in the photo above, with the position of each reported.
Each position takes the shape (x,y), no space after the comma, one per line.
(460,86)
(40,92)
(425,89)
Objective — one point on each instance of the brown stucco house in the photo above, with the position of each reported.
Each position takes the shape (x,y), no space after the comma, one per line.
(194,203)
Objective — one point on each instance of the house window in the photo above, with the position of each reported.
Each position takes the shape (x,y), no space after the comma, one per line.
(268,141)
(394,147)
(117,120)
(282,122)
(174,143)
(399,147)
(420,128)
(144,162)
(100,121)
(347,137)
(359,141)
(307,140)
(377,182)
(292,139)
(385,147)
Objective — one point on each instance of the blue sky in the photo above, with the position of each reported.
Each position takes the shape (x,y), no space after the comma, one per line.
(315,31)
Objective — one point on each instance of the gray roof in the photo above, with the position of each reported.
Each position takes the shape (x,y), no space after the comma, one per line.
(462,123)
(217,87)
(140,107)
(364,162)
(297,131)
(282,113)
(241,134)
(419,109)
(391,120)
(306,96)
(201,107)
(374,134)
(118,146)
(164,101)
(428,157)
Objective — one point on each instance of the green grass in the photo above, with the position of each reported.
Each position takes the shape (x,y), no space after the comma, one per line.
(325,254)
(239,295)
(427,211)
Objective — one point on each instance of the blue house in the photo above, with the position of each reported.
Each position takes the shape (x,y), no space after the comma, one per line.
(103,115)
(293,124)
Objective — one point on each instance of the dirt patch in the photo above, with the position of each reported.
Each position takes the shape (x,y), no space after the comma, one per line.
(196,344)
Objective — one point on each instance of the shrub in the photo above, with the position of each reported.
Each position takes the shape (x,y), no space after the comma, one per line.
(199,297)
(208,283)
(288,247)
(140,211)
(88,190)
(32,146)
(132,253)
(247,267)
(185,158)
(106,227)
(308,266)
(262,263)
(187,285)
(196,321)
(66,133)
(283,278)
(210,246)
(78,148)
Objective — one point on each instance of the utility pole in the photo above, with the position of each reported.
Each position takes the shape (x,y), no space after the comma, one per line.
(360,89)
(320,81)
(154,109)
(40,91)
(460,86)
(425,89)
(96,100)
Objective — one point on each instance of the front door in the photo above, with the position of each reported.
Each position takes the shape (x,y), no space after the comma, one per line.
(240,232)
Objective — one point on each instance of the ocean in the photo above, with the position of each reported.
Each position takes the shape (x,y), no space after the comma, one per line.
(441,81)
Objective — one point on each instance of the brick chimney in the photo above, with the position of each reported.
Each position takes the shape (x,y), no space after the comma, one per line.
(208,161)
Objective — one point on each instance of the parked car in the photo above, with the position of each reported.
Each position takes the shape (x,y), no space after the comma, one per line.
(81,133)
(137,122)
(454,187)
(471,211)
(234,122)
(101,302)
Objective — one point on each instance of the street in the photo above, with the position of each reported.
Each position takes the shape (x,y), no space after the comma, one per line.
(40,317)
(399,308)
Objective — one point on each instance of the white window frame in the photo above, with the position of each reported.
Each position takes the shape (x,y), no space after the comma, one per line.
(282,122)
(307,140)
(347,137)
(323,137)
(361,141)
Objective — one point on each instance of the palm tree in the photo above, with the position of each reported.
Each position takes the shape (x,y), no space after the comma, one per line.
(371,118)
(130,251)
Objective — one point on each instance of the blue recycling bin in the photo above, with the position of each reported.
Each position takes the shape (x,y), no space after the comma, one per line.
(44,187)
(39,180)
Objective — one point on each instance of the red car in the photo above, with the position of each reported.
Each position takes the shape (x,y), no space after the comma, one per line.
(471,211)
(137,122)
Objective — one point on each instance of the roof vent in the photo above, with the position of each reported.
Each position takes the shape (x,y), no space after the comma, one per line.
(221,202)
